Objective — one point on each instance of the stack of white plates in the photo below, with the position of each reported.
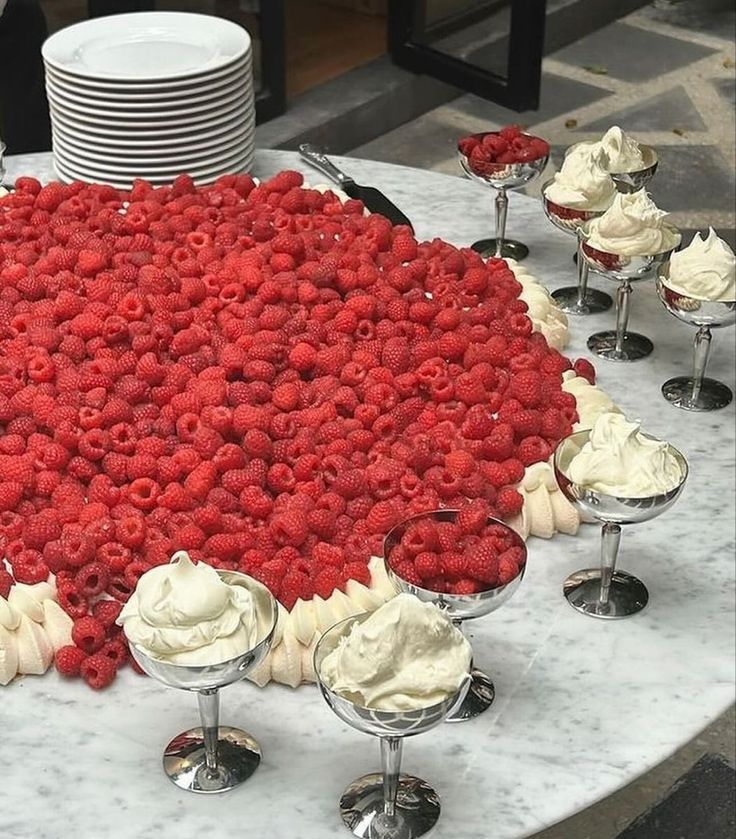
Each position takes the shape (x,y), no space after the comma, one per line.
(150,95)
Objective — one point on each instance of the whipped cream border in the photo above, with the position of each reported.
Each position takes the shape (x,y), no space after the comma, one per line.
(32,628)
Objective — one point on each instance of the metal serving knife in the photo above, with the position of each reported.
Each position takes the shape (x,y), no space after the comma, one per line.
(373,199)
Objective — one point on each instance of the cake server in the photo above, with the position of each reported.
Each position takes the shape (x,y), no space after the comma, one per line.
(373,199)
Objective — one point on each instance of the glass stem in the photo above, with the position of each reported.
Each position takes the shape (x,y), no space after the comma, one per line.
(700,359)
(623,301)
(391,762)
(502,206)
(583,269)
(209,714)
(610,540)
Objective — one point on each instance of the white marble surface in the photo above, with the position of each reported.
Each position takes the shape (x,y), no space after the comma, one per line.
(583,706)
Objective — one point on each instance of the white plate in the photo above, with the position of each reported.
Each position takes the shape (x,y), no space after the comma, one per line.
(171,145)
(146,46)
(87,167)
(237,92)
(148,86)
(181,158)
(206,119)
(163,134)
(116,95)
(152,141)
(69,173)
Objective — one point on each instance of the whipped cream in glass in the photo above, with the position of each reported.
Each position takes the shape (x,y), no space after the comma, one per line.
(582,183)
(187,614)
(632,226)
(704,270)
(619,152)
(619,460)
(405,656)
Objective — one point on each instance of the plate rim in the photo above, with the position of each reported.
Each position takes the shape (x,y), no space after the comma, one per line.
(99,25)
(136,141)
(163,171)
(143,98)
(146,125)
(85,154)
(241,89)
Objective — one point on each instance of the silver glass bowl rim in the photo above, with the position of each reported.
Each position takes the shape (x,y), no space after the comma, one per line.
(479,595)
(535,164)
(589,214)
(656,258)
(663,277)
(348,623)
(584,436)
(223,573)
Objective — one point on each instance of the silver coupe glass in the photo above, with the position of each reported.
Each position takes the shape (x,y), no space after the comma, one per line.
(638,178)
(605,592)
(502,177)
(214,757)
(389,804)
(460,607)
(696,392)
(620,344)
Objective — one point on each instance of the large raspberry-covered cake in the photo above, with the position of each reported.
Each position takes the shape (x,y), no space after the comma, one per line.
(267,377)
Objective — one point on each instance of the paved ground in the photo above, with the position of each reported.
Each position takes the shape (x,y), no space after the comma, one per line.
(666,74)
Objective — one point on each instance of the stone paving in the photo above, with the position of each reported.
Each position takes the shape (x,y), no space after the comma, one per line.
(671,85)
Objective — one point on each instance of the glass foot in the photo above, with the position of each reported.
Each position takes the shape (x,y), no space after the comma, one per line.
(635,346)
(511,249)
(478,699)
(238,758)
(713,394)
(627,595)
(595,301)
(417,808)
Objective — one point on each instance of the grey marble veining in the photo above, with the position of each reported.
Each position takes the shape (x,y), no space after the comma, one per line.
(583,706)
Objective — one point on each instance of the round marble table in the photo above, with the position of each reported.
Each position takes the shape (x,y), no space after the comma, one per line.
(583,706)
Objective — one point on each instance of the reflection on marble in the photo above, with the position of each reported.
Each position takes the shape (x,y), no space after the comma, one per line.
(583,707)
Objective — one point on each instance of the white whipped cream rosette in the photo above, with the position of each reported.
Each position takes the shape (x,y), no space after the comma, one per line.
(632,226)
(405,656)
(705,269)
(187,614)
(619,460)
(582,182)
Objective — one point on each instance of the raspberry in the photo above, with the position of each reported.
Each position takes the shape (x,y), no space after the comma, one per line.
(92,579)
(427,565)
(585,369)
(466,586)
(98,671)
(408,573)
(106,612)
(28,567)
(40,529)
(88,634)
(116,650)
(454,566)
(526,386)
(499,445)
(10,494)
(326,581)
(483,564)
(471,518)
(533,450)
(68,660)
